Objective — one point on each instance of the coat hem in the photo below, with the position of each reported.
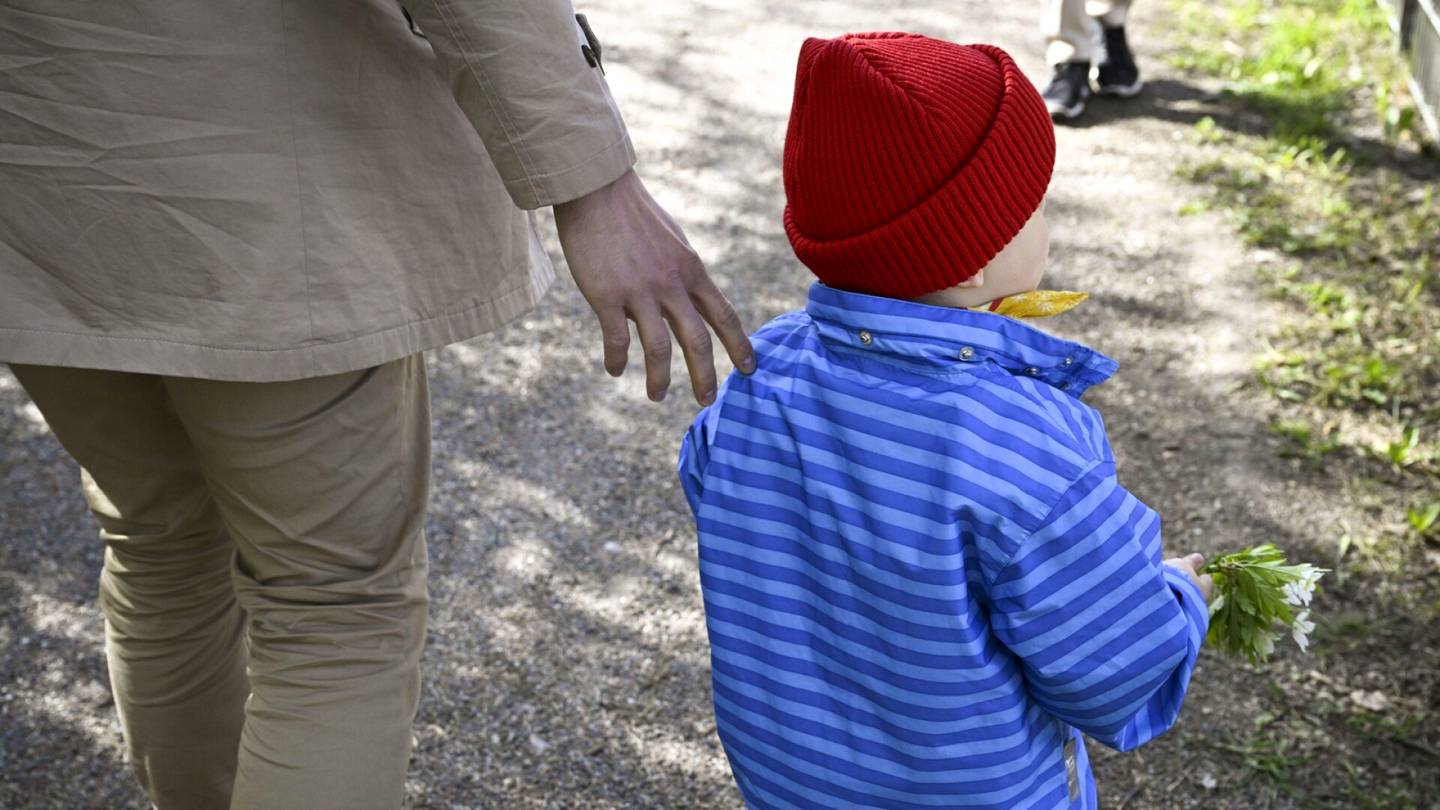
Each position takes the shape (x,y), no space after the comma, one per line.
(151,355)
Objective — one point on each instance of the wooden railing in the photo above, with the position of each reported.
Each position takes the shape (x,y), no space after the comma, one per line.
(1417,30)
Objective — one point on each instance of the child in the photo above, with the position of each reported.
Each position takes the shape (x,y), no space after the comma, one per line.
(922,579)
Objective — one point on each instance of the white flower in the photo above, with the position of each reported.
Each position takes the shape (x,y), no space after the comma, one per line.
(1294,594)
(1301,629)
(1217,604)
(1301,591)
(1265,643)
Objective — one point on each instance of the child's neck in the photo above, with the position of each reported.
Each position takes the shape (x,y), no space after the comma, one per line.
(965,297)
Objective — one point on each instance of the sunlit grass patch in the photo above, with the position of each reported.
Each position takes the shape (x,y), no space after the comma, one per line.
(1301,62)
(1315,158)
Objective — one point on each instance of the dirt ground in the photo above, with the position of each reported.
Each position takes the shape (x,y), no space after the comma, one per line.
(566,663)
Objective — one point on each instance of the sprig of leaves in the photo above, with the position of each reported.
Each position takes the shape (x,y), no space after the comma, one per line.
(1256,590)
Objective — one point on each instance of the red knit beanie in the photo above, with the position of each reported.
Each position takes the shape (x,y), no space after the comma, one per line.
(910,162)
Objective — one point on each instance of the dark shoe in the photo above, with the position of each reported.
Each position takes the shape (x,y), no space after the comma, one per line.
(1119,75)
(1068,89)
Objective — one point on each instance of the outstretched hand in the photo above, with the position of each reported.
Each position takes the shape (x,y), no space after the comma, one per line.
(631,261)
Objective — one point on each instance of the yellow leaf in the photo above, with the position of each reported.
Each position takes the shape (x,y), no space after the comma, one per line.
(1037,303)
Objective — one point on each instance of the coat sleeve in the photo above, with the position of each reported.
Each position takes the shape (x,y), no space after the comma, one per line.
(1107,636)
(545,115)
(694,456)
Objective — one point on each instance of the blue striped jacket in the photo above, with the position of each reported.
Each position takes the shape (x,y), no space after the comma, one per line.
(922,580)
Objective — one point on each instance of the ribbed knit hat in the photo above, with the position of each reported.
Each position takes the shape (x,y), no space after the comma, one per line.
(910,162)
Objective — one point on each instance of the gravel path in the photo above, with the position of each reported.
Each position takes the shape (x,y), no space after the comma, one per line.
(566,664)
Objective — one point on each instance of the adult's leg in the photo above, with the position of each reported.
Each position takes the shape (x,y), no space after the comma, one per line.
(323,484)
(1118,75)
(174,634)
(1110,13)
(1069,32)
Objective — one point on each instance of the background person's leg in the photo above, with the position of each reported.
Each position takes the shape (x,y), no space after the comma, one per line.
(323,484)
(1069,31)
(174,632)
(1118,74)
(1110,13)
(1069,47)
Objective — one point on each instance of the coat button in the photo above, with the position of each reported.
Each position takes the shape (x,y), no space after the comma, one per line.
(865,338)
(1067,361)
(966,353)
(1032,372)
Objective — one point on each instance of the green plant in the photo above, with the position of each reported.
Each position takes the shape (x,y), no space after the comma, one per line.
(1307,442)
(1267,755)
(1364,351)
(1399,453)
(1300,62)
(1424,519)
(1345,230)
(1255,590)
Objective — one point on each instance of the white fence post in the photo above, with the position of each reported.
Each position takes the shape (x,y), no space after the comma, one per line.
(1417,32)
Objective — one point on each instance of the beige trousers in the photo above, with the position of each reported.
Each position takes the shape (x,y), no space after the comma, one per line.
(264,576)
(1069,27)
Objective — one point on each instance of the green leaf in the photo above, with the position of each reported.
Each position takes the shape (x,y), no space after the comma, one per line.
(1252,582)
(1423,519)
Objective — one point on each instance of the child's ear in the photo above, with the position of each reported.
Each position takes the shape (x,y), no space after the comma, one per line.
(977,280)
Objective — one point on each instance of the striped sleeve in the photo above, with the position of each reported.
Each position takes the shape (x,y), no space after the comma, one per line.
(1106,635)
(695,455)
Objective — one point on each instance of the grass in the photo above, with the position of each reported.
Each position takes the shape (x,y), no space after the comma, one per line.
(1316,157)
(1352,235)
(1301,62)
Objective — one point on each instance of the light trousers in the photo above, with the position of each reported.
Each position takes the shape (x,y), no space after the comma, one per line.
(1069,27)
(264,576)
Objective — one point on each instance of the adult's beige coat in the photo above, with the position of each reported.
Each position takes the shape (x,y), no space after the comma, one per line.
(267,190)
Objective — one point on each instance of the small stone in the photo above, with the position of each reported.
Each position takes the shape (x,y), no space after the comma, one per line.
(611,547)
(538,745)
(1372,701)
(1208,781)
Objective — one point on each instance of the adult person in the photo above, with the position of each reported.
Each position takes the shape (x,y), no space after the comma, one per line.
(1069,27)
(227,230)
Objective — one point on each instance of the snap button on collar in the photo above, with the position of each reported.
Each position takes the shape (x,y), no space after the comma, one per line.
(1032,372)
(967,353)
(865,338)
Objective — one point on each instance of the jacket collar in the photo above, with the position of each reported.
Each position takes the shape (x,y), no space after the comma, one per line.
(945,340)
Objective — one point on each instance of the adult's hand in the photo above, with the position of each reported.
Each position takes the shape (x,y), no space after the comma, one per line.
(631,260)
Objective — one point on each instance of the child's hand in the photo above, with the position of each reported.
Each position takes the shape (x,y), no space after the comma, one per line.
(1191,564)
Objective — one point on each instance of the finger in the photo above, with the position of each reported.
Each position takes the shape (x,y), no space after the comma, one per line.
(716,309)
(1206,584)
(1197,560)
(694,340)
(615,338)
(655,340)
